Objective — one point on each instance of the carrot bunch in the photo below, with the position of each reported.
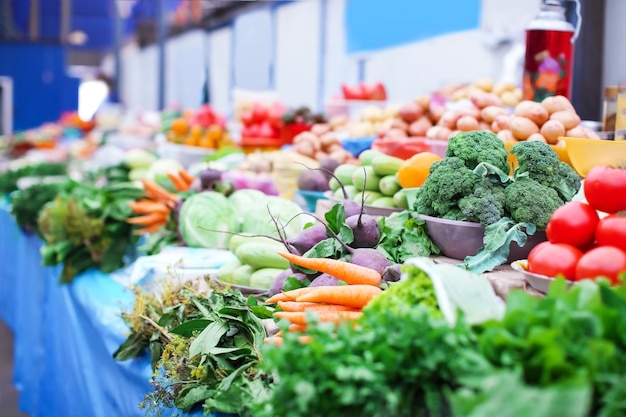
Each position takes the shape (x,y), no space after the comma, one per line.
(333,304)
(182,180)
(154,211)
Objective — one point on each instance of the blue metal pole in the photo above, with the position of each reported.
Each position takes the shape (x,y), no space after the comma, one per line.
(321,77)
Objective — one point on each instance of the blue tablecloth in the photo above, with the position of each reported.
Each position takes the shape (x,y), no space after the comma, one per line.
(65,336)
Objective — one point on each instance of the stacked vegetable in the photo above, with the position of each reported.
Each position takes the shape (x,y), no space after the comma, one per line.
(204,128)
(580,244)
(9,178)
(472,183)
(374,180)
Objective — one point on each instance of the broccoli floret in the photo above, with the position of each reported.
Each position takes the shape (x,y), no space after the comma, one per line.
(485,205)
(543,165)
(449,181)
(530,201)
(478,146)
(455,213)
(539,160)
(569,182)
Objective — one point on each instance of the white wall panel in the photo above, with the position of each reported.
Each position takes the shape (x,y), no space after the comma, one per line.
(420,67)
(614,40)
(253,50)
(220,69)
(339,68)
(149,81)
(297,53)
(186,61)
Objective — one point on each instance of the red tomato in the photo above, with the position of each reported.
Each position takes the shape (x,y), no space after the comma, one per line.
(259,113)
(352,92)
(375,91)
(605,261)
(611,231)
(552,259)
(573,223)
(605,189)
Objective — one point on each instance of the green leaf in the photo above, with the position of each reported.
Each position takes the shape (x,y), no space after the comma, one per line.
(132,347)
(191,396)
(327,248)
(262,312)
(497,242)
(292,283)
(336,217)
(492,173)
(156,350)
(205,312)
(188,328)
(208,339)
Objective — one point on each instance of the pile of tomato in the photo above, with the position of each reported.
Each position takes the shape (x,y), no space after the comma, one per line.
(581,244)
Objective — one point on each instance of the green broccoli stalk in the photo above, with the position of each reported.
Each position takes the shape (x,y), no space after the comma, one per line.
(478,146)
(543,165)
(530,201)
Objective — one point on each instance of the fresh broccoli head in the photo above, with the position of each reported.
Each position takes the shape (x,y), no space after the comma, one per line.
(539,160)
(530,201)
(543,165)
(449,181)
(455,213)
(485,205)
(478,146)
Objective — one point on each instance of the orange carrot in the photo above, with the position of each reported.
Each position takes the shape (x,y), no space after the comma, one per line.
(159,192)
(324,316)
(293,306)
(275,340)
(356,296)
(186,176)
(345,271)
(148,229)
(289,295)
(297,328)
(178,182)
(147,207)
(148,219)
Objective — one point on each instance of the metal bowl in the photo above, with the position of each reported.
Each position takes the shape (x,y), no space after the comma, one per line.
(458,239)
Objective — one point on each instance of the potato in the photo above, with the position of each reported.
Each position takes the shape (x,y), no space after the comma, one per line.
(569,118)
(489,113)
(557,103)
(577,132)
(459,95)
(533,111)
(423,101)
(304,148)
(337,121)
(506,135)
(420,127)
(453,134)
(536,137)
(410,112)
(438,133)
(340,155)
(485,84)
(500,88)
(467,124)
(517,92)
(470,111)
(509,99)
(319,155)
(501,122)
(448,119)
(396,133)
(436,113)
(329,140)
(481,99)
(399,124)
(522,127)
(591,134)
(551,130)
(484,126)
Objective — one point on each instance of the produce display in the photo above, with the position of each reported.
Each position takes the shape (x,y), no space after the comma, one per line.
(347,308)
(472,183)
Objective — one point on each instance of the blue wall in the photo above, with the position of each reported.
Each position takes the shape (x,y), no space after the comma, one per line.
(41,88)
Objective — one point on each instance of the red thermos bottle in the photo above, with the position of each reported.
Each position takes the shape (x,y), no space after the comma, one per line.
(549,57)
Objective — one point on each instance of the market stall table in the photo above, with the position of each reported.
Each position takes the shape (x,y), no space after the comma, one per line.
(65,335)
